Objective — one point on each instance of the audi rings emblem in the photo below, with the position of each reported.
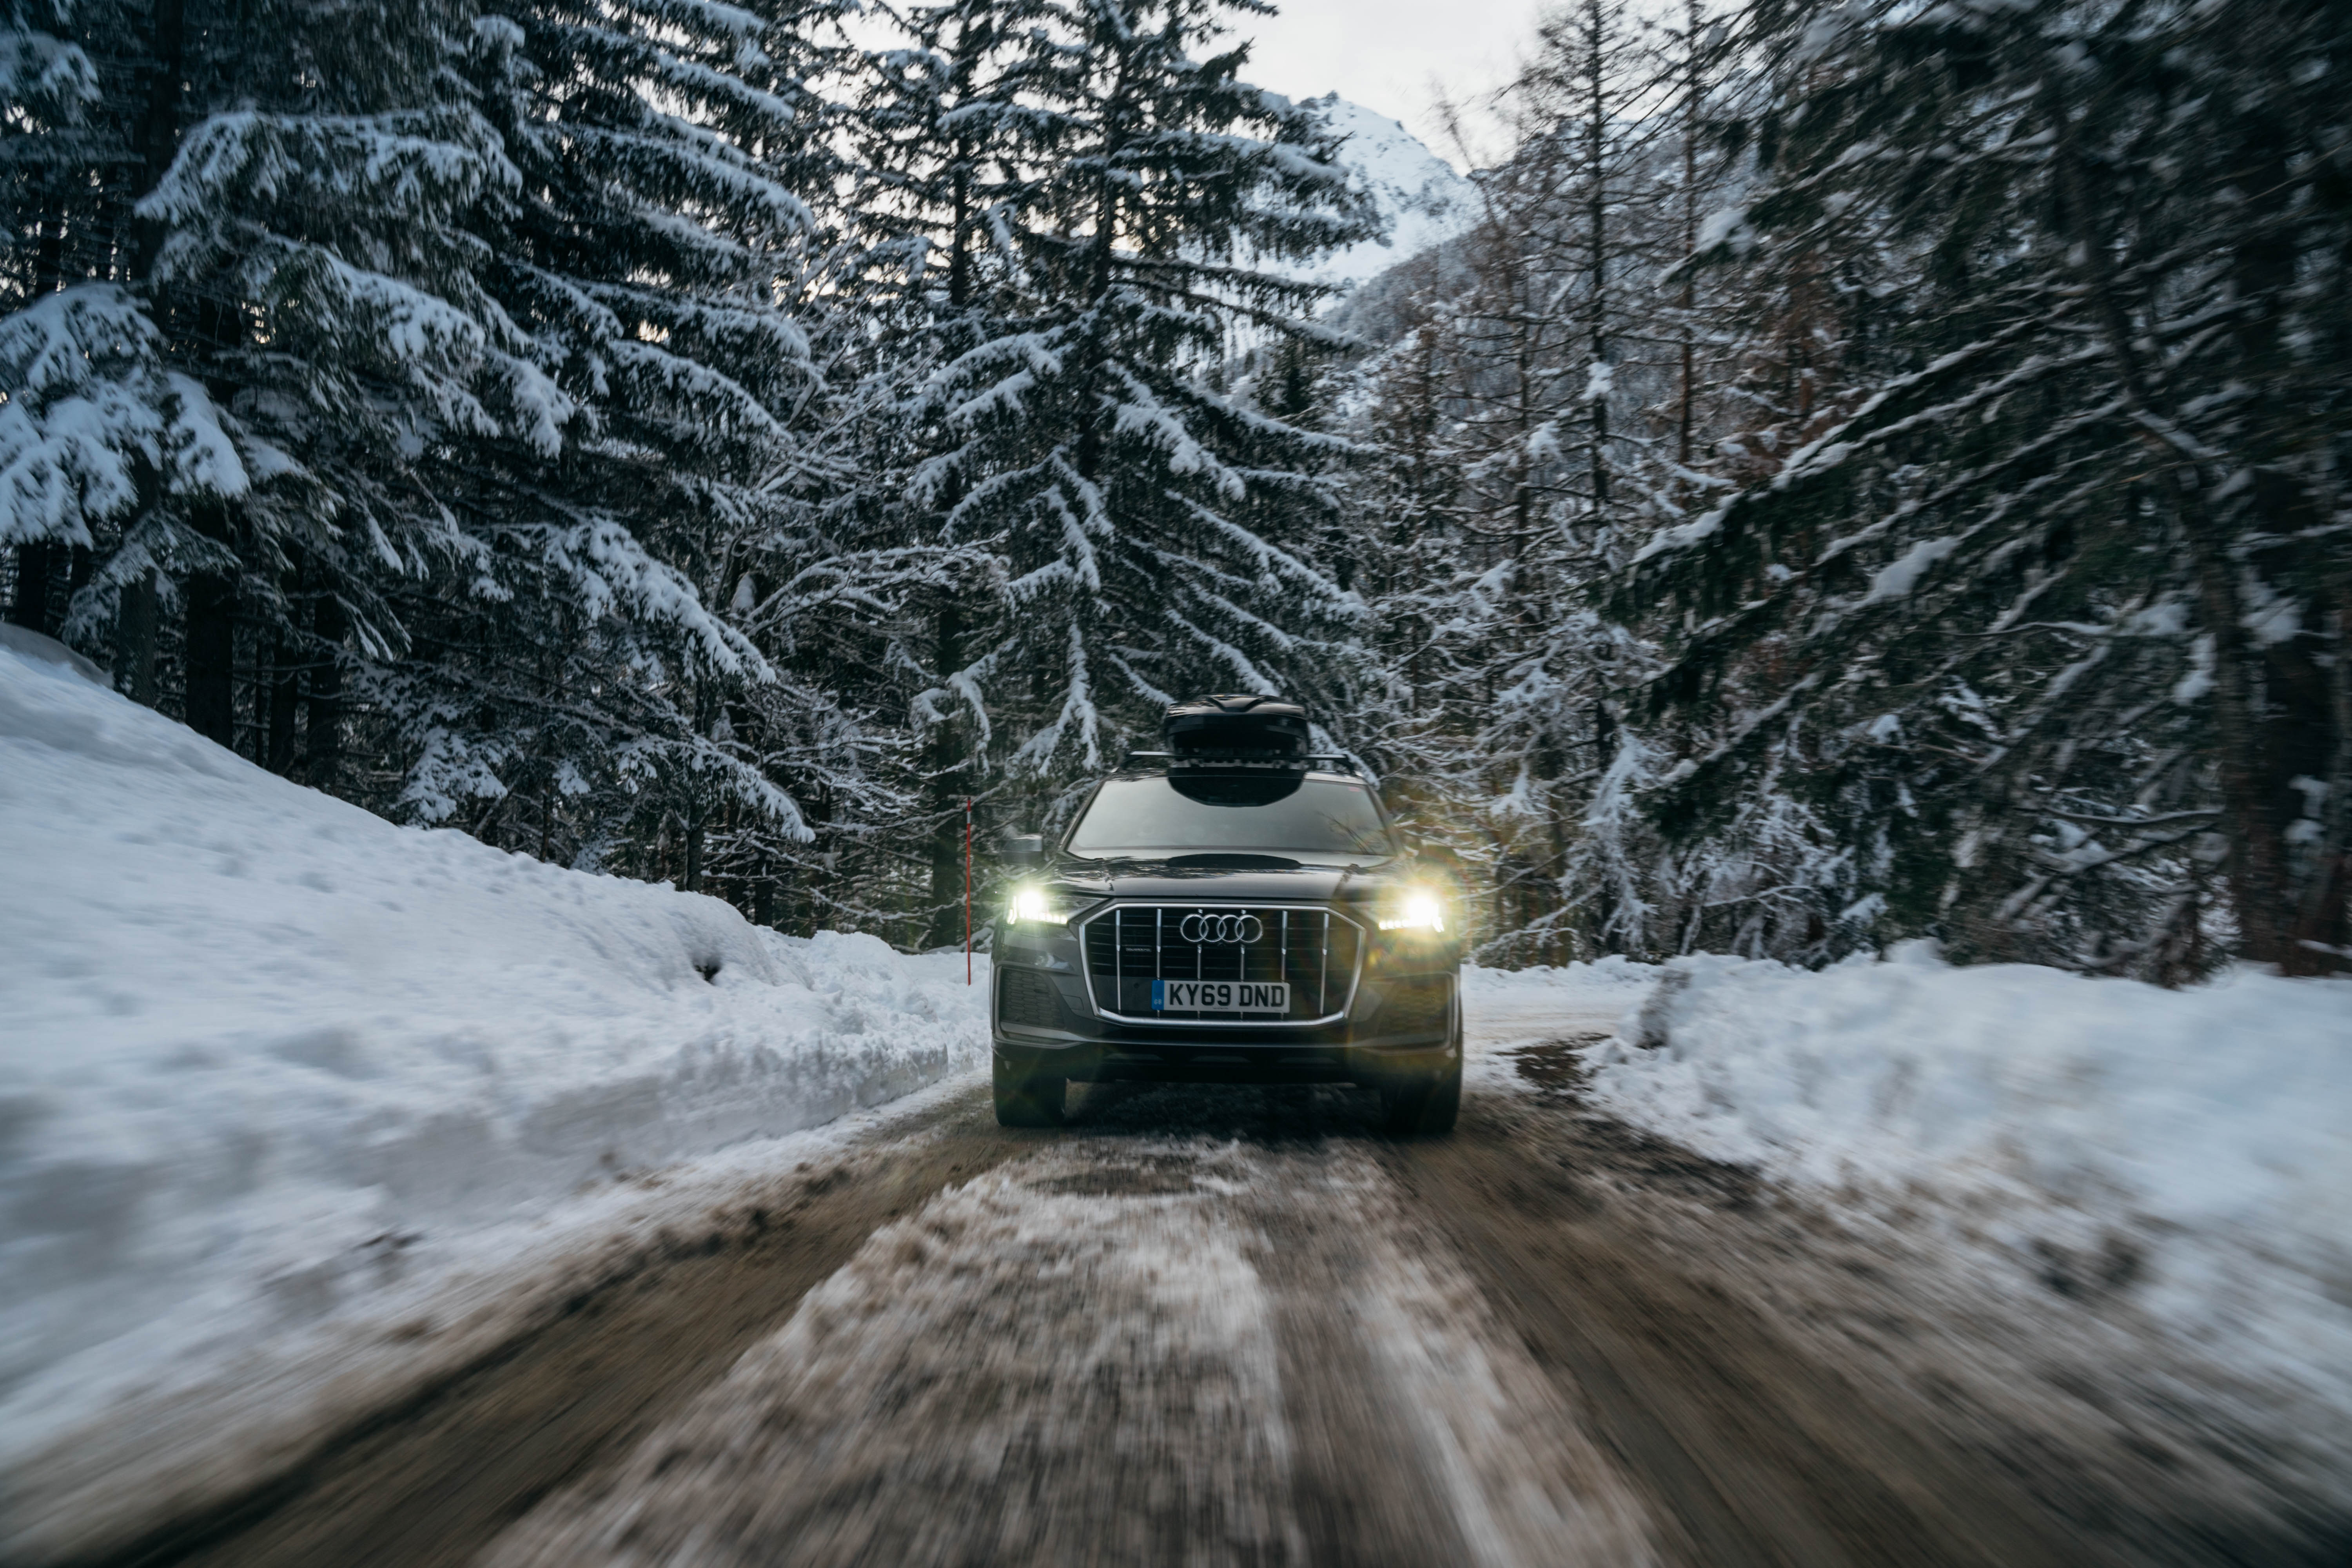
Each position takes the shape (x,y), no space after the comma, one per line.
(1218,929)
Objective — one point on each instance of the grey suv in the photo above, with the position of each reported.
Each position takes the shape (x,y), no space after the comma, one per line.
(1232,910)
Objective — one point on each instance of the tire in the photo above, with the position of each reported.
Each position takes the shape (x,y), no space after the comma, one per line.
(1025,1097)
(1423,1105)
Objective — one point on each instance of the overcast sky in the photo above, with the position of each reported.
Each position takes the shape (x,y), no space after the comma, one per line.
(1394,56)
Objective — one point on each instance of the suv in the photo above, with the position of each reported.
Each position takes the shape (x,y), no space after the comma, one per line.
(1231,911)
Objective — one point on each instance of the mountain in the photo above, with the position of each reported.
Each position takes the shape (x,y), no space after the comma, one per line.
(1424,200)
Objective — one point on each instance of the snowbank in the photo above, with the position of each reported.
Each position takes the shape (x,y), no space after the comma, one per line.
(265,1051)
(2188,1150)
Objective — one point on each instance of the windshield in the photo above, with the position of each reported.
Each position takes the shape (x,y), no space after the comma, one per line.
(1279,813)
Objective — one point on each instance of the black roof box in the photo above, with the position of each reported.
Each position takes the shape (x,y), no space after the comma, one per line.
(1229,726)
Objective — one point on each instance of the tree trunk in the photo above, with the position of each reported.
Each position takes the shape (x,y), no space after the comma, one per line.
(2324,928)
(1596,218)
(284,698)
(2299,723)
(137,613)
(159,123)
(211,626)
(81,564)
(49,255)
(326,703)
(946,790)
(36,563)
(284,658)
(1686,416)
(2257,870)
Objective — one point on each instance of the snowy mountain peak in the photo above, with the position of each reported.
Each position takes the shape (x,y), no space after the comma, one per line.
(1424,200)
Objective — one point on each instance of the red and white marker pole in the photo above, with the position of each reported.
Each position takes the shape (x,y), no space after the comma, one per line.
(967,891)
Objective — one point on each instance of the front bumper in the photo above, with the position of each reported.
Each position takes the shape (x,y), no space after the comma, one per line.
(1399,1023)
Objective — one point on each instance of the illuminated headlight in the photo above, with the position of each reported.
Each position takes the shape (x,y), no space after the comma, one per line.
(1416,910)
(1042,905)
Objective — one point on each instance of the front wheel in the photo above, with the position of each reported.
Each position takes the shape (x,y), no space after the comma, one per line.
(1026,1097)
(1425,1104)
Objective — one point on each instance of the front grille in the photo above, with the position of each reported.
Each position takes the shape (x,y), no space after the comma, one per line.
(1127,946)
(1030,998)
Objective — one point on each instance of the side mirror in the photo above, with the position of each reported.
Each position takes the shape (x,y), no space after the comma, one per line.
(1025,851)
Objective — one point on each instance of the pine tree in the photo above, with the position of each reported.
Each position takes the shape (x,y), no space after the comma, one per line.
(2039,620)
(245,229)
(88,398)
(1564,333)
(1146,521)
(51,110)
(314,269)
(560,420)
(450,443)
(578,693)
(949,151)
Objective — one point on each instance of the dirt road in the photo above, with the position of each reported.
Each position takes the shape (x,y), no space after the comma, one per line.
(1209,1326)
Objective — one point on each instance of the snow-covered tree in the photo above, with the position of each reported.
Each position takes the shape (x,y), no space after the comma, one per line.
(2036,608)
(1147,523)
(250,229)
(52,130)
(88,399)
(442,361)
(947,151)
(102,446)
(640,253)
(1538,411)
(314,269)
(560,419)
(1868,472)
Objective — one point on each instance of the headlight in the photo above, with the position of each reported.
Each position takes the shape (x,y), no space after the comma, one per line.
(1030,905)
(1416,910)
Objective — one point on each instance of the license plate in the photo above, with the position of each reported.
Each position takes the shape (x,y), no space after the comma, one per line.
(1220,996)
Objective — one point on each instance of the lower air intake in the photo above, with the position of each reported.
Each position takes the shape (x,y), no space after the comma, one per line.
(1414,1007)
(1028,998)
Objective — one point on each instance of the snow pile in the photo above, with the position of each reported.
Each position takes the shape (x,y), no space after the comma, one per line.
(263,1047)
(1424,200)
(2188,1150)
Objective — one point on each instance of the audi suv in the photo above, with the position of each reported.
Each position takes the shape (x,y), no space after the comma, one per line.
(1228,916)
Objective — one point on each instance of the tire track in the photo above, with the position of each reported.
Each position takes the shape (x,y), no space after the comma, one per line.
(427,1484)
(1138,1350)
(1209,1326)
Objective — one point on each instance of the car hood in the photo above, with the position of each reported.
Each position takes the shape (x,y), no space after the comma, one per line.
(1229,877)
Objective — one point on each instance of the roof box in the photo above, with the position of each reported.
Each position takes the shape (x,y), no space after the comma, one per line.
(1242,727)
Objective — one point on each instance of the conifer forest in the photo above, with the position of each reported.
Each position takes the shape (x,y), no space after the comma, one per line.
(1864,470)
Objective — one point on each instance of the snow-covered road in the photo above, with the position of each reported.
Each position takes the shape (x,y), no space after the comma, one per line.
(1129,1347)
(1210,1325)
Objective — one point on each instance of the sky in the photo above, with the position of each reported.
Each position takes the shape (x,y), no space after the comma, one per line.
(1396,55)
